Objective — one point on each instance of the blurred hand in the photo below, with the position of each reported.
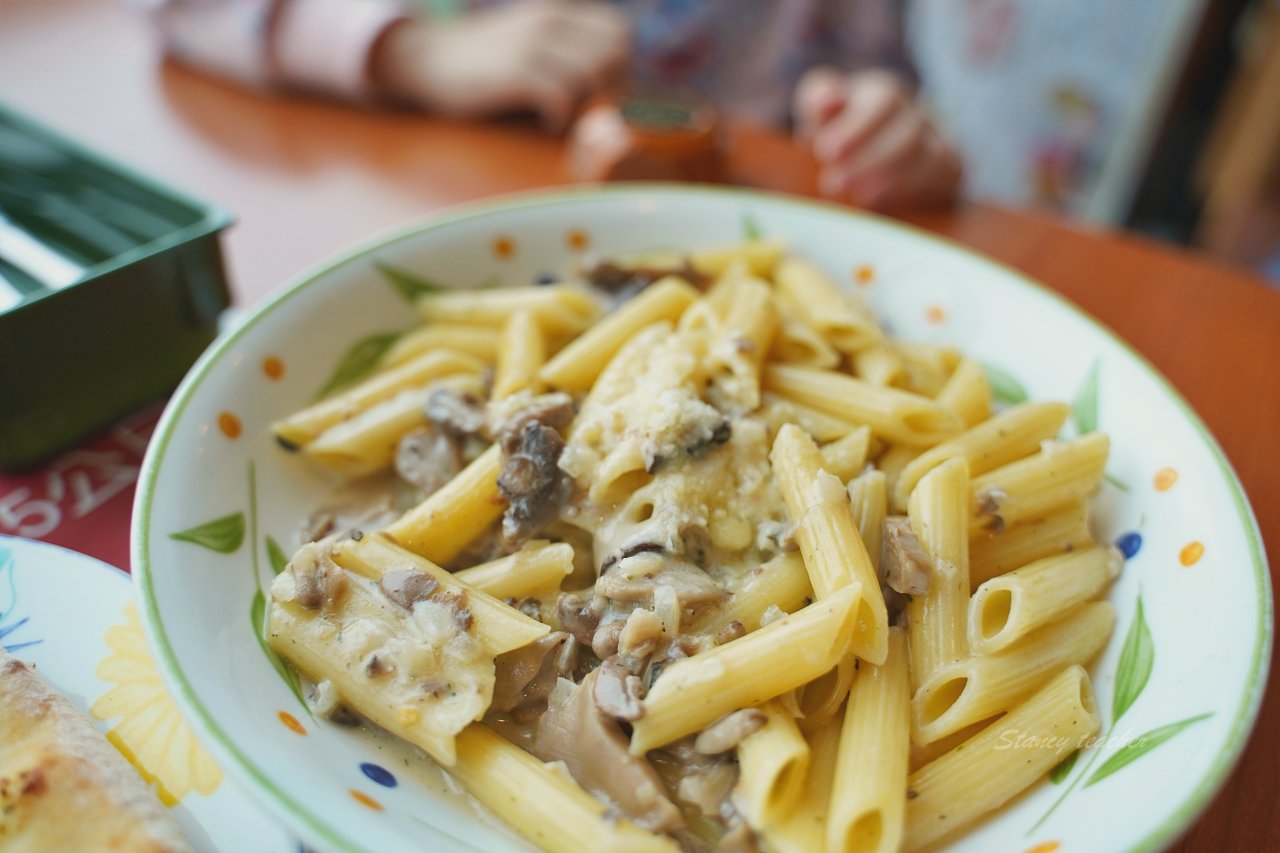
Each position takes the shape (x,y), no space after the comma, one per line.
(874,144)
(543,56)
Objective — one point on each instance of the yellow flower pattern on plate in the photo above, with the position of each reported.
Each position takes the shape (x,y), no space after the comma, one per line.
(151,733)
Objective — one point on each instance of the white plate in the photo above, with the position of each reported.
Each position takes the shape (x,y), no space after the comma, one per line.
(1195,552)
(74,619)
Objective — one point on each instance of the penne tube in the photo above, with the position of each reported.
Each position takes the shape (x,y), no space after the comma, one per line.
(773,762)
(878,365)
(579,364)
(894,461)
(1007,608)
(739,345)
(536,568)
(869,793)
(366,444)
(694,692)
(302,427)
(922,754)
(782,582)
(758,256)
(868,498)
(838,315)
(499,626)
(799,343)
(821,699)
(521,352)
(804,828)
(1061,473)
(450,518)
(949,794)
(925,367)
(938,620)
(845,457)
(1009,436)
(966,394)
(822,427)
(979,687)
(896,415)
(834,554)
(480,341)
(559,308)
(550,808)
(1063,531)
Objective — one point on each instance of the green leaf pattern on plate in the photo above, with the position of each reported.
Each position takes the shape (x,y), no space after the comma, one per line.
(258,619)
(750,228)
(1063,768)
(359,361)
(1140,746)
(1084,411)
(407,284)
(275,555)
(224,534)
(1137,659)
(1007,390)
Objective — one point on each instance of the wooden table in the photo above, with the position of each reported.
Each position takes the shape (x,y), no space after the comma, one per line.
(307,178)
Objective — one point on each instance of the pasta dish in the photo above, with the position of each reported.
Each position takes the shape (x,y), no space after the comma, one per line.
(688,553)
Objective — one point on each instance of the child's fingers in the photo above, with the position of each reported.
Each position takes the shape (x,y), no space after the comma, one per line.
(885,159)
(874,101)
(819,97)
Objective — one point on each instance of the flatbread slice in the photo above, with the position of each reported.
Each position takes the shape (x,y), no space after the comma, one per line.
(62,785)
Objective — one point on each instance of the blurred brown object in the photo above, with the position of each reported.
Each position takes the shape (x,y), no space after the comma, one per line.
(1239,172)
(639,136)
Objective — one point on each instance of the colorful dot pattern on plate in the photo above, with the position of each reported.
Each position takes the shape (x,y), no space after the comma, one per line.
(229,425)
(273,367)
(1191,553)
(365,800)
(1130,544)
(379,774)
(291,723)
(1097,375)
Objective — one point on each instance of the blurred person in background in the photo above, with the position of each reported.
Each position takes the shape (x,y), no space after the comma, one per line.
(834,70)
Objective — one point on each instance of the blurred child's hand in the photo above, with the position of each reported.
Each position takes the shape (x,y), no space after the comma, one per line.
(543,56)
(874,144)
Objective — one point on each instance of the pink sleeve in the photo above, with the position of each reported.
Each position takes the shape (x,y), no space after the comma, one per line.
(321,45)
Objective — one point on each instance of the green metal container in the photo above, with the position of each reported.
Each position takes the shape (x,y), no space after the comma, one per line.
(111,285)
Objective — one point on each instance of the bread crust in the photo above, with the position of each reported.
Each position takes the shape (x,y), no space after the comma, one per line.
(62,785)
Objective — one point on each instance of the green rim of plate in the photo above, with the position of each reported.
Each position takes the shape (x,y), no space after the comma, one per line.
(218,740)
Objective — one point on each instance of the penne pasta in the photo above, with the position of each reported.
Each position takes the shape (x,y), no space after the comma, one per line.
(301,428)
(551,810)
(577,366)
(938,620)
(868,498)
(772,764)
(878,364)
(978,687)
(536,569)
(804,828)
(834,554)
(845,457)
(895,415)
(1007,608)
(559,308)
(1009,436)
(451,517)
(782,582)
(480,341)
(836,314)
(989,769)
(1060,474)
(499,626)
(869,793)
(521,351)
(775,411)
(759,257)
(1061,532)
(742,673)
(966,394)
